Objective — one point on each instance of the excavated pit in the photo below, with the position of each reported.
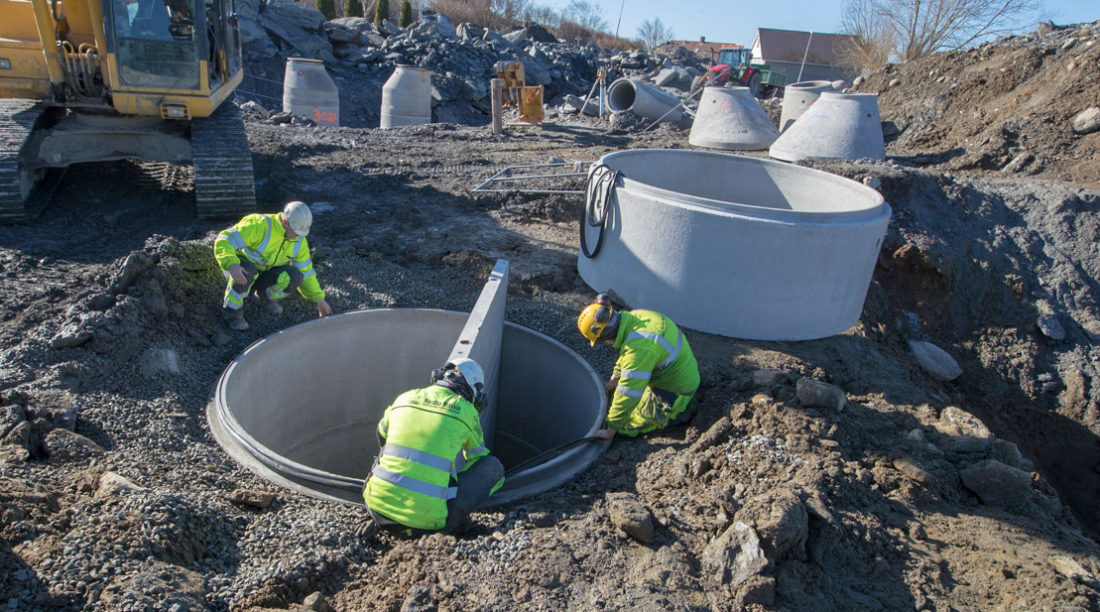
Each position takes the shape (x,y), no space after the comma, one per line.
(300,407)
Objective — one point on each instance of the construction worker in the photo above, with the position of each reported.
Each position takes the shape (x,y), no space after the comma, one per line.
(433,468)
(655,376)
(268,256)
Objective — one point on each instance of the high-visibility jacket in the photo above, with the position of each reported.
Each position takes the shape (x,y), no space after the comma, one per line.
(653,352)
(431,435)
(262,240)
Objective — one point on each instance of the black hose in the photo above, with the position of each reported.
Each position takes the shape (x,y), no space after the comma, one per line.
(547,454)
(598,188)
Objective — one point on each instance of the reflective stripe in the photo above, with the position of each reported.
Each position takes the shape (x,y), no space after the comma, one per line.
(673,351)
(635,374)
(301,264)
(418,456)
(414,485)
(474,451)
(255,256)
(627,391)
(460,463)
(306,275)
(275,293)
(297,247)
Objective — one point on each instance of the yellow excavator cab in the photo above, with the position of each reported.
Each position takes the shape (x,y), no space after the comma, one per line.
(100,80)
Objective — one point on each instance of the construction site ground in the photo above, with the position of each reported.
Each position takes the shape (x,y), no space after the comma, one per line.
(111,340)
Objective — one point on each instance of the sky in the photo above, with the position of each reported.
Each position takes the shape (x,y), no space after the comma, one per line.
(736,22)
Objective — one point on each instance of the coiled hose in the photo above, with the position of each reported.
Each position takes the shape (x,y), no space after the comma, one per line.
(598,187)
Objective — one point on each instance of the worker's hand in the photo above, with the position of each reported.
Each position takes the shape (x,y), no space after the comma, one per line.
(605,434)
(611,385)
(236,272)
(323,309)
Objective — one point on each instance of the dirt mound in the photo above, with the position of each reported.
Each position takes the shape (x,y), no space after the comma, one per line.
(1006,106)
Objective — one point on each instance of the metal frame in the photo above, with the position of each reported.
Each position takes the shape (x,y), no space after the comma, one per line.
(506,175)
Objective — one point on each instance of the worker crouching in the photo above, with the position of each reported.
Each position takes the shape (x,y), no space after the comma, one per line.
(268,256)
(655,376)
(433,468)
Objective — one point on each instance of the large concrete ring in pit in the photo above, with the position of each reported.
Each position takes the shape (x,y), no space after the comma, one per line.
(300,407)
(733,245)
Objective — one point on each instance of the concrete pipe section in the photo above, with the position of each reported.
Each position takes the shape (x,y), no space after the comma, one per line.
(797,97)
(300,407)
(836,126)
(643,100)
(732,245)
(730,118)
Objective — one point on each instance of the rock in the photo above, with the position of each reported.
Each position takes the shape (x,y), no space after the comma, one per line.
(1018,163)
(759,590)
(894,83)
(997,484)
(296,27)
(158,361)
(934,360)
(252,498)
(964,431)
(1070,568)
(908,467)
(1008,453)
(158,586)
(64,445)
(338,32)
(19,435)
(816,394)
(112,484)
(1087,121)
(469,31)
(1072,40)
(767,378)
(735,556)
(780,521)
(316,602)
(1051,327)
(630,516)
(438,21)
(10,416)
(592,108)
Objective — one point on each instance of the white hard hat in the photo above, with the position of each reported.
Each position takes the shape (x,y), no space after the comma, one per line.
(298,217)
(475,378)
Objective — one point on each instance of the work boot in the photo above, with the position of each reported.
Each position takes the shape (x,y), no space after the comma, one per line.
(235,319)
(269,305)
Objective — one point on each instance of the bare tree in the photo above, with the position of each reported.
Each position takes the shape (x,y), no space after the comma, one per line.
(921,27)
(872,38)
(654,33)
(585,14)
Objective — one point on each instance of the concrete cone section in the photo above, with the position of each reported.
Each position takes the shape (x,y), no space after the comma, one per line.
(300,407)
(797,97)
(643,100)
(734,245)
(836,126)
(730,118)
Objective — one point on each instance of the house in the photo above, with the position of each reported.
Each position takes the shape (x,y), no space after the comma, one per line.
(703,48)
(802,56)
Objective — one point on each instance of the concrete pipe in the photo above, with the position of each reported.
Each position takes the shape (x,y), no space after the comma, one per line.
(733,245)
(730,118)
(300,407)
(406,97)
(643,100)
(837,126)
(797,97)
(308,91)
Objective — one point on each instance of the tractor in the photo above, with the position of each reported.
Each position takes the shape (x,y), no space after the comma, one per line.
(732,68)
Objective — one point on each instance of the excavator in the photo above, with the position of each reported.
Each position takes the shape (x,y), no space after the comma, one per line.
(103,80)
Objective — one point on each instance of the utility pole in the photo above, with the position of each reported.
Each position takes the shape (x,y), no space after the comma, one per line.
(620,21)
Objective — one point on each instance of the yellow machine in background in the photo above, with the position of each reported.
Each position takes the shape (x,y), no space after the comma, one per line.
(101,80)
(526,98)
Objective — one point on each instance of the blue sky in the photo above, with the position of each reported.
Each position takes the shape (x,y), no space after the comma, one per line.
(736,22)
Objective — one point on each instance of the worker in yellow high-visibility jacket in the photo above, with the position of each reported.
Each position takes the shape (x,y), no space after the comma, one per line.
(268,256)
(433,468)
(655,376)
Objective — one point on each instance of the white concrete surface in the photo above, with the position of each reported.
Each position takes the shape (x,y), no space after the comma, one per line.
(643,100)
(737,246)
(406,97)
(797,97)
(836,126)
(730,118)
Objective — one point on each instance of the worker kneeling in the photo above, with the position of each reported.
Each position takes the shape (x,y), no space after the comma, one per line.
(433,468)
(655,376)
(268,256)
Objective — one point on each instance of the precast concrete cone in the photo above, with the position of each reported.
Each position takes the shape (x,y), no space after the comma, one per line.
(730,118)
(797,97)
(836,126)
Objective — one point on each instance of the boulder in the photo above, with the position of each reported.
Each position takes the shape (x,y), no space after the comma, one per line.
(1087,121)
(934,360)
(64,445)
(780,521)
(630,516)
(997,484)
(816,394)
(735,556)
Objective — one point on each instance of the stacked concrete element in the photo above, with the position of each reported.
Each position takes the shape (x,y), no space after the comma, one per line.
(308,91)
(734,245)
(643,100)
(797,97)
(730,118)
(407,97)
(837,126)
(300,407)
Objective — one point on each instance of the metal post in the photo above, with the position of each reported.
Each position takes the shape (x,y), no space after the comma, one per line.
(497,86)
(804,54)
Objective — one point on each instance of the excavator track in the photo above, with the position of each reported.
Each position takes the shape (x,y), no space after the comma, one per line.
(17,119)
(224,183)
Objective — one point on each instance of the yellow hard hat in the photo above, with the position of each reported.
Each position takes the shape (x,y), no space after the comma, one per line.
(595,317)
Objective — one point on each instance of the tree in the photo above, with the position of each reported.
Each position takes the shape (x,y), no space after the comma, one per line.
(585,14)
(355,8)
(327,8)
(406,14)
(381,11)
(915,28)
(654,33)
